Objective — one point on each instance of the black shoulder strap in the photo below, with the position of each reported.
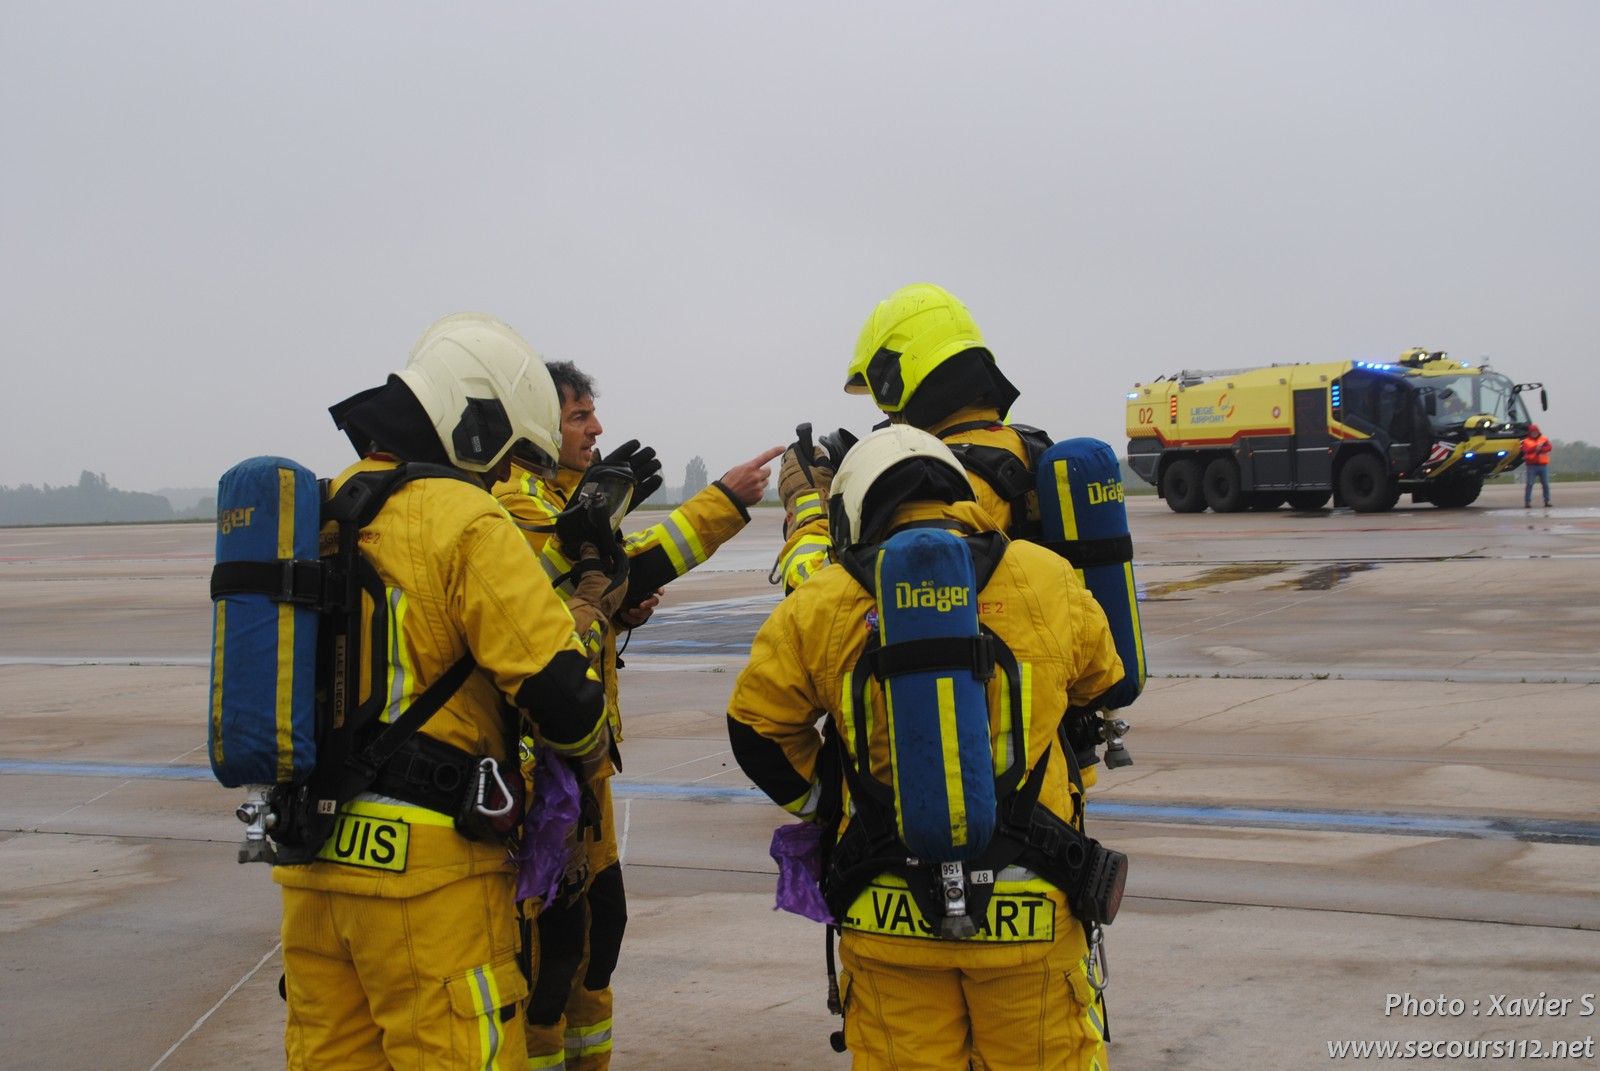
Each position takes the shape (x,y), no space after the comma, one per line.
(362,495)
(1000,468)
(362,768)
(1013,478)
(349,771)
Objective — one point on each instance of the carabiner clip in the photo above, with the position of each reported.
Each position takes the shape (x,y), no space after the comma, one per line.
(1098,978)
(487,769)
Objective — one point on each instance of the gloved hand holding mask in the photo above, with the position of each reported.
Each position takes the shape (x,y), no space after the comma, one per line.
(594,514)
(642,463)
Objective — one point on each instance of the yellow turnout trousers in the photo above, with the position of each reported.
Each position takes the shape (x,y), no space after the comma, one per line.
(1037,1016)
(417,983)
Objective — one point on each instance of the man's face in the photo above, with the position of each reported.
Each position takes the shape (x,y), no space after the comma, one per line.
(579,429)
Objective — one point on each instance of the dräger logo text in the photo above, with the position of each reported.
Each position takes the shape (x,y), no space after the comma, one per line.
(229,519)
(1107,491)
(929,596)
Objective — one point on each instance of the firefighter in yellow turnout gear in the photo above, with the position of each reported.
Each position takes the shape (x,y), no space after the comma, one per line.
(924,362)
(400,942)
(1019,995)
(570,1014)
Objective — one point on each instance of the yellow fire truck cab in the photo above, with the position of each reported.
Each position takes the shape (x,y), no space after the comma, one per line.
(1362,433)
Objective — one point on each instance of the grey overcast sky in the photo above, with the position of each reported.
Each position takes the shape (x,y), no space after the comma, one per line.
(218,218)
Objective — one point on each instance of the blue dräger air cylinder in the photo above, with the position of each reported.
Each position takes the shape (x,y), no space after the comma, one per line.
(1085,519)
(938,719)
(262,724)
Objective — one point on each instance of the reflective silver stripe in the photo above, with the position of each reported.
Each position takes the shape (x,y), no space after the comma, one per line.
(397,668)
(807,506)
(584,1044)
(489,1016)
(680,539)
(1093,1016)
(803,560)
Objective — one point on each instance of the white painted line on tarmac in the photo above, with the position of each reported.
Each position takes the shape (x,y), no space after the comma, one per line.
(688,762)
(198,1023)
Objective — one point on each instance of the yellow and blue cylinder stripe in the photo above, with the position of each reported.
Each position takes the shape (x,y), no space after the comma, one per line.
(261,728)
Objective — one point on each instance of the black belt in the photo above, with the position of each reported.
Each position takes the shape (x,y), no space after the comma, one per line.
(428,773)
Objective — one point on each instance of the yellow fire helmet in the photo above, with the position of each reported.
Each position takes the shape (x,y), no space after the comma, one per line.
(918,331)
(487,393)
(858,509)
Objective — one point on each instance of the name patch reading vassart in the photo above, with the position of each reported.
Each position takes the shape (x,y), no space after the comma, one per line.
(885,909)
(373,843)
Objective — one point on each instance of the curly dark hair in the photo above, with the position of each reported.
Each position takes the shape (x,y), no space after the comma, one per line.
(572,383)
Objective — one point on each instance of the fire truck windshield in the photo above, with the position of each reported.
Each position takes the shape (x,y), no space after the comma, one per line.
(1455,398)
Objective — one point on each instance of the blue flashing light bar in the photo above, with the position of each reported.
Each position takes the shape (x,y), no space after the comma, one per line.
(1469,455)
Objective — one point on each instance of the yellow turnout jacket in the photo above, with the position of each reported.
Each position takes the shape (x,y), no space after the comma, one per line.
(457,577)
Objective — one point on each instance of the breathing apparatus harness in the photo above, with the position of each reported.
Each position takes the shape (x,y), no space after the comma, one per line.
(1026,835)
(355,752)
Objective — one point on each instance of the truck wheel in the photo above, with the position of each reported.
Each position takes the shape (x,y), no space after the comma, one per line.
(1181,487)
(1454,492)
(1267,501)
(1365,485)
(1221,484)
(1306,501)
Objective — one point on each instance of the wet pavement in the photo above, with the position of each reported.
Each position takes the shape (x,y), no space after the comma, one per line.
(1365,765)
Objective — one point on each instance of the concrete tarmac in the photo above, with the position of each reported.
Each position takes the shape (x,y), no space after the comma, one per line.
(1366,771)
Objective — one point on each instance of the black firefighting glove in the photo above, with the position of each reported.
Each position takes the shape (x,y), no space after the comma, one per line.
(645,465)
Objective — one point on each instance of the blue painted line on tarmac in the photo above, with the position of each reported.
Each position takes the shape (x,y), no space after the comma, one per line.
(1553,831)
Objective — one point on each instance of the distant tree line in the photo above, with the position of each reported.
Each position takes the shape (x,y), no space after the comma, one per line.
(1575,460)
(92,500)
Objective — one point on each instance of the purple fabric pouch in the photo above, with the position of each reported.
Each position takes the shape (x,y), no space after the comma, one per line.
(547,829)
(797,849)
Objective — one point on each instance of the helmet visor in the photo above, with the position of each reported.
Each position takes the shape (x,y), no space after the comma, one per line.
(532,458)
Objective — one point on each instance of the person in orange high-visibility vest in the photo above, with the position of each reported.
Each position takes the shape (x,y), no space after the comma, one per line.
(1536,457)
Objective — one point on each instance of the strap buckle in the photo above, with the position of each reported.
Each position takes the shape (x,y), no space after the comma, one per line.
(301,582)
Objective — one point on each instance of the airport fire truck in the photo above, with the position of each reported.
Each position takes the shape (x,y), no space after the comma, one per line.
(1359,432)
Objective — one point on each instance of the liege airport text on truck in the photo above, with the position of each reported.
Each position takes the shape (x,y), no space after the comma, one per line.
(1362,433)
